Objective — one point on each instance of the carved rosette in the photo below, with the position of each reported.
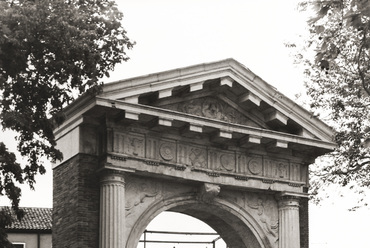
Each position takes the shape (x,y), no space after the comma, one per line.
(167,151)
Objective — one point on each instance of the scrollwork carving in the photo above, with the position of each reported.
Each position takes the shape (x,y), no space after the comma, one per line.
(139,192)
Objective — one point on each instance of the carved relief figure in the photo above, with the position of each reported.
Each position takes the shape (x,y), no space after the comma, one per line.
(191,107)
(282,170)
(135,146)
(260,204)
(212,108)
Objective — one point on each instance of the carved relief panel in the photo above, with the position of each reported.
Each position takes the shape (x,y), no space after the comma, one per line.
(263,208)
(141,193)
(210,107)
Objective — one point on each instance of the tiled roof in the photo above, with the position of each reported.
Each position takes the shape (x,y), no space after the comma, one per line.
(33,219)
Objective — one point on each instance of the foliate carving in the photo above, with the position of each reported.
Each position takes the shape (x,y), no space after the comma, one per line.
(198,157)
(167,151)
(212,108)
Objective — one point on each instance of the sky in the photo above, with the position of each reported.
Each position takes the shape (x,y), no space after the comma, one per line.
(171,34)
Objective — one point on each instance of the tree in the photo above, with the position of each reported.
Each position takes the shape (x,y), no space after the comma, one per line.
(51,51)
(337,64)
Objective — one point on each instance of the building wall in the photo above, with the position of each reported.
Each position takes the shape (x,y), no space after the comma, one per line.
(76,203)
(303,221)
(31,239)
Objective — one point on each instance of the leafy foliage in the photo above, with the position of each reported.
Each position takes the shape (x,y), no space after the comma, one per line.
(337,62)
(51,51)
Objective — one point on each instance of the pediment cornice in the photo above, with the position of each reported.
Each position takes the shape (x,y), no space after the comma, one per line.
(263,112)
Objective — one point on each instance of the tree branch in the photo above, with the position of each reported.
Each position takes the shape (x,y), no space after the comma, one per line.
(360,72)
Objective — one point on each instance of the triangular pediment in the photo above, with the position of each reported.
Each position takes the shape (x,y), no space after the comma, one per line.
(226,91)
(222,99)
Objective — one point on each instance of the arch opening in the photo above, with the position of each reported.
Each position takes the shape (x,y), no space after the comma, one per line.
(173,229)
(235,227)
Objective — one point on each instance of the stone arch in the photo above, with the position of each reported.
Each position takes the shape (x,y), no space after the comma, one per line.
(234,224)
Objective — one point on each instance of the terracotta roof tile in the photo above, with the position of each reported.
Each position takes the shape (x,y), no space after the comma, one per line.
(33,219)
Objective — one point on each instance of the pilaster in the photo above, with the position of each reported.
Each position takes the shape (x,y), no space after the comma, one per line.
(112,209)
(289,236)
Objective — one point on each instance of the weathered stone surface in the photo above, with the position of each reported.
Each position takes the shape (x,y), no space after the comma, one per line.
(213,141)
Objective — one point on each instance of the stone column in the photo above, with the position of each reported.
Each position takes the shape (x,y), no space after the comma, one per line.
(289,236)
(112,209)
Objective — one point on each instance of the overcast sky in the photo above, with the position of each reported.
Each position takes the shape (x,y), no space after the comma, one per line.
(176,33)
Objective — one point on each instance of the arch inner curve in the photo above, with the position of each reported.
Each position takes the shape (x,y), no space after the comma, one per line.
(235,226)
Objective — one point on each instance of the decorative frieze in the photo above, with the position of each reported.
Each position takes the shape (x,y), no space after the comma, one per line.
(213,161)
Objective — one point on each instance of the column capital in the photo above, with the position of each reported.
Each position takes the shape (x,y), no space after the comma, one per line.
(290,200)
(111,176)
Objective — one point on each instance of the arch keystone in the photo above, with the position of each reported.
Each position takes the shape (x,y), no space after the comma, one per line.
(208,192)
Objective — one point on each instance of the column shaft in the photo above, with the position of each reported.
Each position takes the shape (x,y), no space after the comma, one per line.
(112,210)
(289,236)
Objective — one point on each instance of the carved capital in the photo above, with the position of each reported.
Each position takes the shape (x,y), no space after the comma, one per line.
(110,176)
(208,192)
(290,200)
